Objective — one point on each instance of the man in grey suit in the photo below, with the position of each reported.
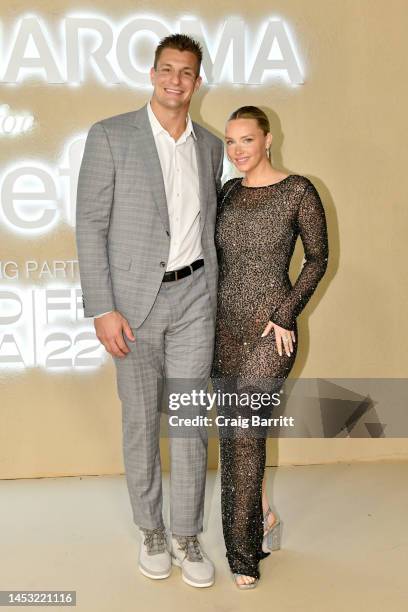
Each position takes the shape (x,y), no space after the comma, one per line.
(146,211)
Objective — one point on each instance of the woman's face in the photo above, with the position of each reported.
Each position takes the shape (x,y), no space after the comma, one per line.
(246,143)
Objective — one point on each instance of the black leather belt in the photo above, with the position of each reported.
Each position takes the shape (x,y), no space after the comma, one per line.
(177,274)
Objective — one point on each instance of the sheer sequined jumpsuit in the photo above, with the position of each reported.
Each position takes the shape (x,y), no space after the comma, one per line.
(256,232)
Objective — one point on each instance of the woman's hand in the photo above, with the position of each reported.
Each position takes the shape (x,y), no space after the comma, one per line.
(282,336)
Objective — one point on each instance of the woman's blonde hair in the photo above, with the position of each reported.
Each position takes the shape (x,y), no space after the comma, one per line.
(252,112)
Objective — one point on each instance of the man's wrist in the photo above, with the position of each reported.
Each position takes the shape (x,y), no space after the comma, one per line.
(103,313)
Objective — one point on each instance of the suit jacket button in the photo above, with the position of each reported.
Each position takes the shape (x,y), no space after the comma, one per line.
(167,232)
(162,263)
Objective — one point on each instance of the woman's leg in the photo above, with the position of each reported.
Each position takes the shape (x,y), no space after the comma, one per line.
(242,470)
(265,504)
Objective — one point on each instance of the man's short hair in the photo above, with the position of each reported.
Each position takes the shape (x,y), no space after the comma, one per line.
(181,42)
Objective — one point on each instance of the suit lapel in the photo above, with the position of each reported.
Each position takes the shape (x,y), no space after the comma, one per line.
(151,160)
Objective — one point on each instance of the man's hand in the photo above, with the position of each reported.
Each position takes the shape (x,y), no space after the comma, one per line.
(109,330)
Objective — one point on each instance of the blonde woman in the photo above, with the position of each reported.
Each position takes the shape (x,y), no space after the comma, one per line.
(259,219)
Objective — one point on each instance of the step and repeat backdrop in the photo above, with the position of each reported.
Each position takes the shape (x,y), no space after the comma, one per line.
(329,77)
(41,304)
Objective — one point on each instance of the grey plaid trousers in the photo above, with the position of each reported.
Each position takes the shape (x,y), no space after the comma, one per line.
(175,341)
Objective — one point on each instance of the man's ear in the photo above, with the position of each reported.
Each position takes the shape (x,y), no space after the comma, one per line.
(152,75)
(197,84)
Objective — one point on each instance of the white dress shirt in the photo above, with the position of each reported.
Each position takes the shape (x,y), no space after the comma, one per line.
(180,175)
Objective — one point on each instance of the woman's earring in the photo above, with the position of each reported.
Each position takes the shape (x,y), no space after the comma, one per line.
(268,153)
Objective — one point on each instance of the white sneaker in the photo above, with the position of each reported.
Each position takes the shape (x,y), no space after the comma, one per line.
(196,568)
(154,557)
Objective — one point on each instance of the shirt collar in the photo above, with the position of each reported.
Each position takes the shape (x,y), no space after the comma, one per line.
(157,127)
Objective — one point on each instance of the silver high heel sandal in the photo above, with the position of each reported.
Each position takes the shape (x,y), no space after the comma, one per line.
(250,585)
(272,535)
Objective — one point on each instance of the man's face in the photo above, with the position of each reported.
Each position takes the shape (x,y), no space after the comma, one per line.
(174,78)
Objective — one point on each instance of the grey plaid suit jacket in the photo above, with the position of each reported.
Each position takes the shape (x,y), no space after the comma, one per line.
(122,223)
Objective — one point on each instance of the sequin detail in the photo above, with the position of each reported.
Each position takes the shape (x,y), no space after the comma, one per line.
(256,232)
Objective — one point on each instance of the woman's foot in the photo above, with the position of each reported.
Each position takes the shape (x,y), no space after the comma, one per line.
(272,532)
(269,519)
(241,579)
(244,582)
